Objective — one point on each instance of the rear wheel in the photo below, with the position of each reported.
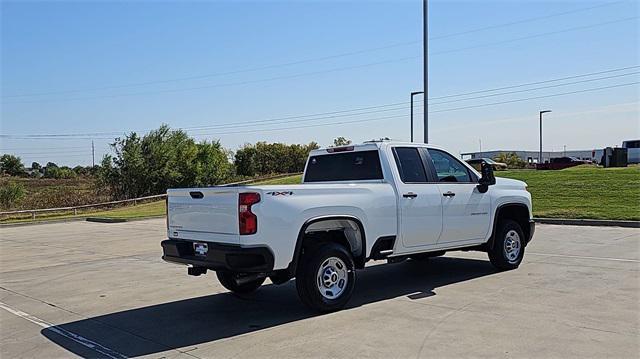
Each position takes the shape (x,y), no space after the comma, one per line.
(231,280)
(508,246)
(326,277)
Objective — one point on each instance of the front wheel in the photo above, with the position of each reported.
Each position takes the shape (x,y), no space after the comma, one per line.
(326,277)
(508,246)
(230,281)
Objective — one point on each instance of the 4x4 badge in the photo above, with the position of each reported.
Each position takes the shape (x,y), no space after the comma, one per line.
(284,193)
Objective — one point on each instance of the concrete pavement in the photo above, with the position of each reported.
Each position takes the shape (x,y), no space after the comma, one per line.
(101,290)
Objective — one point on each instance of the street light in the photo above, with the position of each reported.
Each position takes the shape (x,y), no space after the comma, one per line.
(413,94)
(540,156)
(425,66)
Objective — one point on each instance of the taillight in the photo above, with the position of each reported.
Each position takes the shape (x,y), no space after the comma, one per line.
(247,220)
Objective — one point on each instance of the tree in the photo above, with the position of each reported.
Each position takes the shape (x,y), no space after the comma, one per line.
(35,166)
(265,158)
(11,165)
(341,141)
(511,159)
(162,159)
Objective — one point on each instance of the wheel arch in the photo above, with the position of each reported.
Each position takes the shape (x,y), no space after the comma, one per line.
(355,242)
(518,212)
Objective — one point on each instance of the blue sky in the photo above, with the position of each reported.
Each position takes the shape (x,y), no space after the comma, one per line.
(90,68)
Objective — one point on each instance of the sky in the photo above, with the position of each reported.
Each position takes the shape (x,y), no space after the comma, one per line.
(302,71)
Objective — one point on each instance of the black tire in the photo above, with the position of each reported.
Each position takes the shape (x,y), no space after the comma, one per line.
(331,256)
(500,256)
(228,280)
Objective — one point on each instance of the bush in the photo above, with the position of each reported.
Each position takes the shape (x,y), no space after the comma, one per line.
(11,193)
(511,159)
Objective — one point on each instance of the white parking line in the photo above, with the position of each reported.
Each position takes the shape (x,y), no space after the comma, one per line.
(584,257)
(65,333)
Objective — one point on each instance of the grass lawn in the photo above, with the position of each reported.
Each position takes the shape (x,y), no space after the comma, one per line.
(583,192)
(577,192)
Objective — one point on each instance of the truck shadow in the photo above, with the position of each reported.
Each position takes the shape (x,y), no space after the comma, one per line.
(190,322)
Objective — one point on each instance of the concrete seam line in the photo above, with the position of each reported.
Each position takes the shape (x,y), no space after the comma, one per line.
(65,333)
(585,257)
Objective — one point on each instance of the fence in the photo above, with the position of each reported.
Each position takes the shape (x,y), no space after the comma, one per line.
(135,201)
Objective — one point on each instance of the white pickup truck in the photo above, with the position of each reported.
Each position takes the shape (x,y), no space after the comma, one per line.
(378,200)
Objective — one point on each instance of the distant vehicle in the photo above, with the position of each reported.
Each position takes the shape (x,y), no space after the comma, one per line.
(633,150)
(477,164)
(375,201)
(571,160)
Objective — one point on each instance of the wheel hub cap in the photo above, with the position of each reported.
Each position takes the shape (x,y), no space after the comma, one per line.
(512,246)
(332,278)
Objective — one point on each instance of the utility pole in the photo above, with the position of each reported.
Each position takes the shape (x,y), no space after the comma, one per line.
(540,156)
(565,150)
(480,141)
(413,94)
(425,71)
(93,154)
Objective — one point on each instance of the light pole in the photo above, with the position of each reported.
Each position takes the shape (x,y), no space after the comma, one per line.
(425,64)
(413,94)
(540,156)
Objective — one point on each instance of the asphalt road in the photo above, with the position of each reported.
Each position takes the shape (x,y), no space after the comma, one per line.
(101,290)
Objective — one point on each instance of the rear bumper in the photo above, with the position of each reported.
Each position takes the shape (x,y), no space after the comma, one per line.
(219,256)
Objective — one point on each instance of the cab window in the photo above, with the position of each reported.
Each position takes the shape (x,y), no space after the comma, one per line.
(448,168)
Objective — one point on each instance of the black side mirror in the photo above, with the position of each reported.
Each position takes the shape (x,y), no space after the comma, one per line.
(487,179)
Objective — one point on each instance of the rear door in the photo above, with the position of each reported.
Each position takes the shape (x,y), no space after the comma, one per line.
(465,211)
(207,214)
(419,201)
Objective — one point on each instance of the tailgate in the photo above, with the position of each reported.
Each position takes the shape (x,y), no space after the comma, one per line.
(207,214)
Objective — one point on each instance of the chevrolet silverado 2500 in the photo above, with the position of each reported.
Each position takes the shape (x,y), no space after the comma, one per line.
(374,201)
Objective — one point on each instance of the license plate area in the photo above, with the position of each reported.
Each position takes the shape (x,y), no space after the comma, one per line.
(200,249)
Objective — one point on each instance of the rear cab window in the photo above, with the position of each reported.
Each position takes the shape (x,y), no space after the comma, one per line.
(344,166)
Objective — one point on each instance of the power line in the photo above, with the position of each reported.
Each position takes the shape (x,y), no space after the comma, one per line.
(536,88)
(577,28)
(404,116)
(536,82)
(325,71)
(284,77)
(397,106)
(535,98)
(532,19)
(318,59)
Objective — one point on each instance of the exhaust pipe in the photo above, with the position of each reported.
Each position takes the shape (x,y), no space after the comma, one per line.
(249,277)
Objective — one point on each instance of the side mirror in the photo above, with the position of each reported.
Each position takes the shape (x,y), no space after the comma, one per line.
(487,179)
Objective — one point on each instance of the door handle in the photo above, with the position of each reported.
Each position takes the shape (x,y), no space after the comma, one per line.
(448,194)
(410,195)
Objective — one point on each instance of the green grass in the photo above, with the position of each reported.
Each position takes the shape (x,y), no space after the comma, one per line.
(583,192)
(144,210)
(295,179)
(578,192)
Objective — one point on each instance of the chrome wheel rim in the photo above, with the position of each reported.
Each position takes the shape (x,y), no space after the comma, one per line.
(512,246)
(332,278)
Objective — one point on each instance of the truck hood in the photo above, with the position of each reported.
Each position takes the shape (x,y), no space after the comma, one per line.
(510,183)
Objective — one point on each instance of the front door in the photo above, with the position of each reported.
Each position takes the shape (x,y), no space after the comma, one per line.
(466,213)
(419,202)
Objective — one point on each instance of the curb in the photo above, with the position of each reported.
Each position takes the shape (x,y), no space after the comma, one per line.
(106,220)
(588,222)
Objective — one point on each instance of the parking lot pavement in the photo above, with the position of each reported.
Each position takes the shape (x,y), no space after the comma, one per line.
(101,290)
